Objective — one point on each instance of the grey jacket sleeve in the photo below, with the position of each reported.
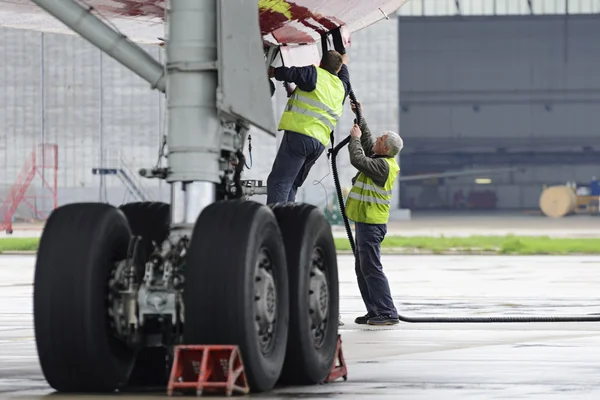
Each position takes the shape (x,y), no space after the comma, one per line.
(366,140)
(360,149)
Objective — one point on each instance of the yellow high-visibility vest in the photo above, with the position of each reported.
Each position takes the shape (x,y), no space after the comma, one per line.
(315,113)
(369,203)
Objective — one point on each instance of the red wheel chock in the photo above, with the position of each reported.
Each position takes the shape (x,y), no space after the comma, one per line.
(338,371)
(209,369)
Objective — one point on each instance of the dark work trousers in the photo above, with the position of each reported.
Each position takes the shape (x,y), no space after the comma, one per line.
(372,282)
(297,154)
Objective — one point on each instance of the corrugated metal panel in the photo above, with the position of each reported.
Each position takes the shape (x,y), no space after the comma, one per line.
(131,117)
(20,100)
(72,106)
(60,89)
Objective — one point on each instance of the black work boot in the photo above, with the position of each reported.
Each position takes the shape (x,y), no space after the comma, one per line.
(383,319)
(362,320)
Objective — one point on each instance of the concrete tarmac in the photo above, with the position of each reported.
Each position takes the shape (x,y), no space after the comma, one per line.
(408,361)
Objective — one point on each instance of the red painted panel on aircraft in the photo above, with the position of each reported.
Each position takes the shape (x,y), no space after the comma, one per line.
(288,21)
(301,21)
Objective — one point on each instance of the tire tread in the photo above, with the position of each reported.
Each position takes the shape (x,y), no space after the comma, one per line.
(72,339)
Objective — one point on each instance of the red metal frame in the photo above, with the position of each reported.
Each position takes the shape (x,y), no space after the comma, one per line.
(43,157)
(338,369)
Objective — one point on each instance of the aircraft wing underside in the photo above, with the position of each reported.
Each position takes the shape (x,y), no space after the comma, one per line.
(281,21)
(143,26)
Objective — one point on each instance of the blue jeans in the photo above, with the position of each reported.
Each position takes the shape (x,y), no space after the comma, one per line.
(372,282)
(296,156)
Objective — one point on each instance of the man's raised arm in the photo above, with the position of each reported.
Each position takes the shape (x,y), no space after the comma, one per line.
(366,139)
(344,75)
(304,77)
(375,168)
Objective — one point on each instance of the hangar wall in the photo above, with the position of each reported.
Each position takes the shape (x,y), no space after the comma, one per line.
(60,89)
(496,92)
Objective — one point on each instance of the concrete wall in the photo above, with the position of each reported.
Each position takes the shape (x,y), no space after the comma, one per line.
(62,90)
(502,88)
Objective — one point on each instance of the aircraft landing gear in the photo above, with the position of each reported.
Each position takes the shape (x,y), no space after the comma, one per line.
(108,311)
(117,289)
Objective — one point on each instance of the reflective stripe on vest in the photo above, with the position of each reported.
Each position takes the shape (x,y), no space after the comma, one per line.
(373,188)
(369,203)
(370,199)
(315,113)
(315,103)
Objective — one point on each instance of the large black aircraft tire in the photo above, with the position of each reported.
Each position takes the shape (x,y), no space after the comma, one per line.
(309,243)
(79,247)
(229,291)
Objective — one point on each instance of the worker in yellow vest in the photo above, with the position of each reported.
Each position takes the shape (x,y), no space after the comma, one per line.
(311,113)
(368,205)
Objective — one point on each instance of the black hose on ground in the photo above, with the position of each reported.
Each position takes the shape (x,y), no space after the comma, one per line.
(503,320)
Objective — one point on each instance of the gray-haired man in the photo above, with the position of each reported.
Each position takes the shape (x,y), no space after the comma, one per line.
(368,205)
